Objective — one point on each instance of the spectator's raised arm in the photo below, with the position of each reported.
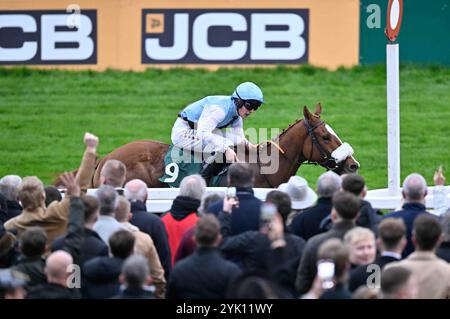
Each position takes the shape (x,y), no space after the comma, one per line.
(75,235)
(440,201)
(87,166)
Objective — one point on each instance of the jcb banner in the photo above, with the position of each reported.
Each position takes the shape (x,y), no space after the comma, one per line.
(135,35)
(225,36)
(47,37)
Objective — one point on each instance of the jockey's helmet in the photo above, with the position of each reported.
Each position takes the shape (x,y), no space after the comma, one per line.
(248,91)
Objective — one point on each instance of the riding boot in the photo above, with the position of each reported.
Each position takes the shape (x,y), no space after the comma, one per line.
(210,170)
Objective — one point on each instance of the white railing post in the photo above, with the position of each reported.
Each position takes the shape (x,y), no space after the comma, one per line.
(393,118)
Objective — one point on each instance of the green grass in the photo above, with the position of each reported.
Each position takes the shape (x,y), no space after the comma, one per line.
(44,114)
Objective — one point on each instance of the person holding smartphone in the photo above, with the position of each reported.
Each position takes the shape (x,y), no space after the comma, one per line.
(246,215)
(332,272)
(268,250)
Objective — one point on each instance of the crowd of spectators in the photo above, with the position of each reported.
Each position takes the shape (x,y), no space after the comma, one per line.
(298,243)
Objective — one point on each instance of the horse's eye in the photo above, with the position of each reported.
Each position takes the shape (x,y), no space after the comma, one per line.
(326,139)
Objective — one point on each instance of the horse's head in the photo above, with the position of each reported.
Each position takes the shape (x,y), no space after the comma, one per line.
(323,145)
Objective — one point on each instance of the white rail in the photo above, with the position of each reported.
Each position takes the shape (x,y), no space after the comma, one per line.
(160,199)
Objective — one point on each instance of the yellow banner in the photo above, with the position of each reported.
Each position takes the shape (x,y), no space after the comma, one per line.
(134,35)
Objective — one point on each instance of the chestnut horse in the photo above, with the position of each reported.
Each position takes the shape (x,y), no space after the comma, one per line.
(307,140)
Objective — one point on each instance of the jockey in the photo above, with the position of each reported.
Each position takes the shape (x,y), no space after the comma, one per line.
(199,125)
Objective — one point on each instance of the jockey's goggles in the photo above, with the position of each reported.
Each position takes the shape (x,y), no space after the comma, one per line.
(252,104)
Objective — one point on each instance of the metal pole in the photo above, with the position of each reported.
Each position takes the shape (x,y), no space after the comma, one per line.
(393,118)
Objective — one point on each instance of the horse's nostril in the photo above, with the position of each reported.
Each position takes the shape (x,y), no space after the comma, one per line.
(354,167)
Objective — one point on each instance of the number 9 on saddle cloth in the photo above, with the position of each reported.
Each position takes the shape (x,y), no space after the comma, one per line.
(179,163)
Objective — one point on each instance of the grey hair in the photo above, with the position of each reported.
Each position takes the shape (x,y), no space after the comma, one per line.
(414,187)
(137,191)
(107,199)
(193,186)
(136,271)
(9,186)
(328,184)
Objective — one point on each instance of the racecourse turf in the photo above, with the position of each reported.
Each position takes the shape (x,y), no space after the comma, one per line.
(44,114)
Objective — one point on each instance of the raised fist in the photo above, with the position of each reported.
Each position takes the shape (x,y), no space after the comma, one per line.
(90,140)
(439,178)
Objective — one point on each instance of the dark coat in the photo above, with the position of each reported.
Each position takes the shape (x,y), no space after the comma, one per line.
(3,210)
(92,246)
(307,223)
(33,268)
(338,292)
(246,216)
(187,245)
(134,293)
(13,209)
(253,250)
(444,251)
(101,276)
(73,241)
(279,264)
(82,243)
(10,258)
(9,248)
(154,227)
(368,218)
(358,276)
(203,275)
(308,269)
(409,213)
(52,291)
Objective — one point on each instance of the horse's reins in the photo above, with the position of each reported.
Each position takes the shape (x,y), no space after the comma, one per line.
(328,162)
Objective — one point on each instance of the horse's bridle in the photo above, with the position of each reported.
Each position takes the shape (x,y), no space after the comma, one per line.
(329,162)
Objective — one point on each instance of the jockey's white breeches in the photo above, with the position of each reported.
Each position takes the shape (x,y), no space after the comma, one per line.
(211,143)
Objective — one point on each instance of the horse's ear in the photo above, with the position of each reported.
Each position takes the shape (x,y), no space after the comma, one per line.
(306,113)
(318,109)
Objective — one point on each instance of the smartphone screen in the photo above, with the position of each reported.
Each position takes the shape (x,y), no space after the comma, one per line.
(231,192)
(268,211)
(325,272)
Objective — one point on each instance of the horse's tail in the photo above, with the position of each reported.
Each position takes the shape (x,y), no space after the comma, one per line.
(57,182)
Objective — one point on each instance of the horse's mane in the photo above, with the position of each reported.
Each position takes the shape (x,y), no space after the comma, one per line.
(285,130)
